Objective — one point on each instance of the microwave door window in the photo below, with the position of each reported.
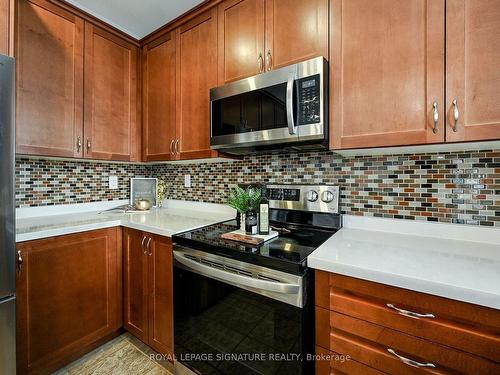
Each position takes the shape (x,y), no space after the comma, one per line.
(230,116)
(250,112)
(262,109)
(273,104)
(237,114)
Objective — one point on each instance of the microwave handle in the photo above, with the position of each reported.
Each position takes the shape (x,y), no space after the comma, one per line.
(292,129)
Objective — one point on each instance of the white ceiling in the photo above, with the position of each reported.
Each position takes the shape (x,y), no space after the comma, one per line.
(137,18)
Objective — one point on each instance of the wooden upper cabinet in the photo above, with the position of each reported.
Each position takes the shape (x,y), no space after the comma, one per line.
(196,75)
(49,51)
(261,35)
(159,72)
(110,96)
(296,30)
(5,26)
(386,71)
(68,297)
(241,39)
(135,288)
(473,70)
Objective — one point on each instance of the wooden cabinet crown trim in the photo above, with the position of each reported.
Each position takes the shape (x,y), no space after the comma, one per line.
(181,20)
(88,17)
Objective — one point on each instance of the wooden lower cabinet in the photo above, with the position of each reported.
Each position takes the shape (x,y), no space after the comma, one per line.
(359,318)
(148,297)
(328,362)
(135,274)
(69,300)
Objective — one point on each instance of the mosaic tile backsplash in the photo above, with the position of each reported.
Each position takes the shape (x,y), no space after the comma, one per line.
(42,182)
(456,187)
(450,187)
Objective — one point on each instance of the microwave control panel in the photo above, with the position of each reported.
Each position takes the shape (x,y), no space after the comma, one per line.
(309,111)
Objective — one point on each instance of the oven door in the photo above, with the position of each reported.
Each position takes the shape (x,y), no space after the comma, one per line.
(286,105)
(221,327)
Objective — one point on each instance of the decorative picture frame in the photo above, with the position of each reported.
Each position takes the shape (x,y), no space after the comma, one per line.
(143,188)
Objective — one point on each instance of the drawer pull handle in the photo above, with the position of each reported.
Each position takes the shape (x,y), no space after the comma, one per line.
(408,313)
(410,362)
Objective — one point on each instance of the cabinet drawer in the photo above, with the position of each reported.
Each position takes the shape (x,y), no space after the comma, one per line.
(471,328)
(370,344)
(327,365)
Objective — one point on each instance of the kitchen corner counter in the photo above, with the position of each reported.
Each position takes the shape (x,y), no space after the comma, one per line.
(452,261)
(176,217)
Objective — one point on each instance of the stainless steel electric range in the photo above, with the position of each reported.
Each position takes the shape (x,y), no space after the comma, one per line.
(245,309)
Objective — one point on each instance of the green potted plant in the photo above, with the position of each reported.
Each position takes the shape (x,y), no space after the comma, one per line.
(242,200)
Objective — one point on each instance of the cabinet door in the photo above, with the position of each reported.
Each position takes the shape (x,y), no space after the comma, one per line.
(241,39)
(196,74)
(161,294)
(386,71)
(135,270)
(5,26)
(68,297)
(296,30)
(159,98)
(110,96)
(473,70)
(49,51)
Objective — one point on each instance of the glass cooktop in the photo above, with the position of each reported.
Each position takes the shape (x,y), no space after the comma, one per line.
(288,252)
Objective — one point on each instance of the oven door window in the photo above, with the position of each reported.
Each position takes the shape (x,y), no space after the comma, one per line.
(222,329)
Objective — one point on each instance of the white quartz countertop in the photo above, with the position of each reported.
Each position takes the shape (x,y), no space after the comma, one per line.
(176,217)
(452,261)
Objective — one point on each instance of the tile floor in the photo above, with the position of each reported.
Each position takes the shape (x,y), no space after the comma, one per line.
(124,355)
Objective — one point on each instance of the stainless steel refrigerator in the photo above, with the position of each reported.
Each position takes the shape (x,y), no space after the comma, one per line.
(7,220)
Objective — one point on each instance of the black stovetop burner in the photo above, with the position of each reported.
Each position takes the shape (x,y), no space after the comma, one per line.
(298,237)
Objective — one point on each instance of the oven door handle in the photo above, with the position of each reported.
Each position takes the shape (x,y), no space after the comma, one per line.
(233,278)
(292,129)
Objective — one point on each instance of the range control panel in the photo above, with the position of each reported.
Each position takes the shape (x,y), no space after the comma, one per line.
(314,198)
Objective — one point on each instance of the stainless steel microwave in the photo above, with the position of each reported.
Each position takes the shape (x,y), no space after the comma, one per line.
(286,108)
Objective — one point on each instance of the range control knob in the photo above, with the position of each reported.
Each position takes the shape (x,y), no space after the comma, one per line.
(312,196)
(327,196)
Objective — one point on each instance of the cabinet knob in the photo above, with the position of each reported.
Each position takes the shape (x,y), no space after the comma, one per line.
(408,361)
(408,313)
(260,63)
(148,247)
(269,60)
(456,114)
(89,145)
(435,115)
(172,147)
(142,245)
(19,261)
(78,144)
